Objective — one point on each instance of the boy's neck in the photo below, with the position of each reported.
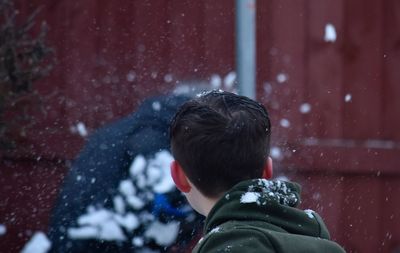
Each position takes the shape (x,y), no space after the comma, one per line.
(201,203)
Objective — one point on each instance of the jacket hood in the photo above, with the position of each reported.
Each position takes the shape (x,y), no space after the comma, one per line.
(272,202)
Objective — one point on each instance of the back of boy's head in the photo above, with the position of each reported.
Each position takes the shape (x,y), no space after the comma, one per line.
(220,139)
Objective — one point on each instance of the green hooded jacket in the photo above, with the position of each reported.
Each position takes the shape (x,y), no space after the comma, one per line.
(261,216)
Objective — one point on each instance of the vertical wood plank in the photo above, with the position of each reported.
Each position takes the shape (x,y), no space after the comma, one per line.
(219,37)
(152,46)
(323,193)
(186,39)
(324,70)
(361,214)
(389,234)
(284,65)
(363,69)
(391,65)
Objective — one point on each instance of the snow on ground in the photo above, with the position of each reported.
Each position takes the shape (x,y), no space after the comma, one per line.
(39,243)
(330,33)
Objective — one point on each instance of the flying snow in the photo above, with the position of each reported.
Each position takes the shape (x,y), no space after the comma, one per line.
(276,153)
(281,78)
(284,123)
(347,98)
(305,108)
(147,177)
(330,33)
(229,80)
(163,234)
(156,106)
(215,81)
(3,229)
(39,243)
(130,77)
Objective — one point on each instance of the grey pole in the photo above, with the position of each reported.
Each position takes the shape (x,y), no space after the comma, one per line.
(246,47)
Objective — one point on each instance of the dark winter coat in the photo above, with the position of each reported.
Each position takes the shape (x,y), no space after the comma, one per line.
(100,166)
(261,216)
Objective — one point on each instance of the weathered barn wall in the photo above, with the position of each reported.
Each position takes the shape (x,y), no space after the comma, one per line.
(112,54)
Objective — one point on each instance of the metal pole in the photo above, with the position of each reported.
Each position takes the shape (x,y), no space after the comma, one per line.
(246,47)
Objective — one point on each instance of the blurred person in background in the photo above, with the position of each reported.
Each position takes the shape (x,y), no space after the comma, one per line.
(119,195)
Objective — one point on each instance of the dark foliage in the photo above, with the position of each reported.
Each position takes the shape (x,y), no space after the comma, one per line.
(24,58)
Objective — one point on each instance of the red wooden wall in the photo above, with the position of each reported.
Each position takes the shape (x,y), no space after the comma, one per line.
(112,54)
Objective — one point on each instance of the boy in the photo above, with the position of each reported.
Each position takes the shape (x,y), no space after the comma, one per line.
(220,143)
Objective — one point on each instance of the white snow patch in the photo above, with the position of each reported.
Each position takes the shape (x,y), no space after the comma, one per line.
(129,221)
(86,232)
(164,183)
(163,234)
(138,165)
(215,230)
(281,78)
(3,229)
(330,33)
(229,80)
(250,197)
(81,129)
(276,153)
(95,217)
(111,231)
(168,78)
(347,98)
(131,76)
(39,243)
(127,188)
(215,81)
(310,213)
(284,123)
(156,106)
(138,241)
(135,202)
(119,204)
(305,108)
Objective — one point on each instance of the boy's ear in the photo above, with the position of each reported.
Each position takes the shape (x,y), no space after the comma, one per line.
(179,177)
(268,171)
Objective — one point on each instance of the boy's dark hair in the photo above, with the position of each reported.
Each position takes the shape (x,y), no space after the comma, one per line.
(220,139)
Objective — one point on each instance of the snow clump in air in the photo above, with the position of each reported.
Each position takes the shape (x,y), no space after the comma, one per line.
(39,243)
(229,80)
(281,78)
(330,33)
(305,108)
(3,229)
(284,123)
(276,153)
(215,81)
(128,214)
(347,98)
